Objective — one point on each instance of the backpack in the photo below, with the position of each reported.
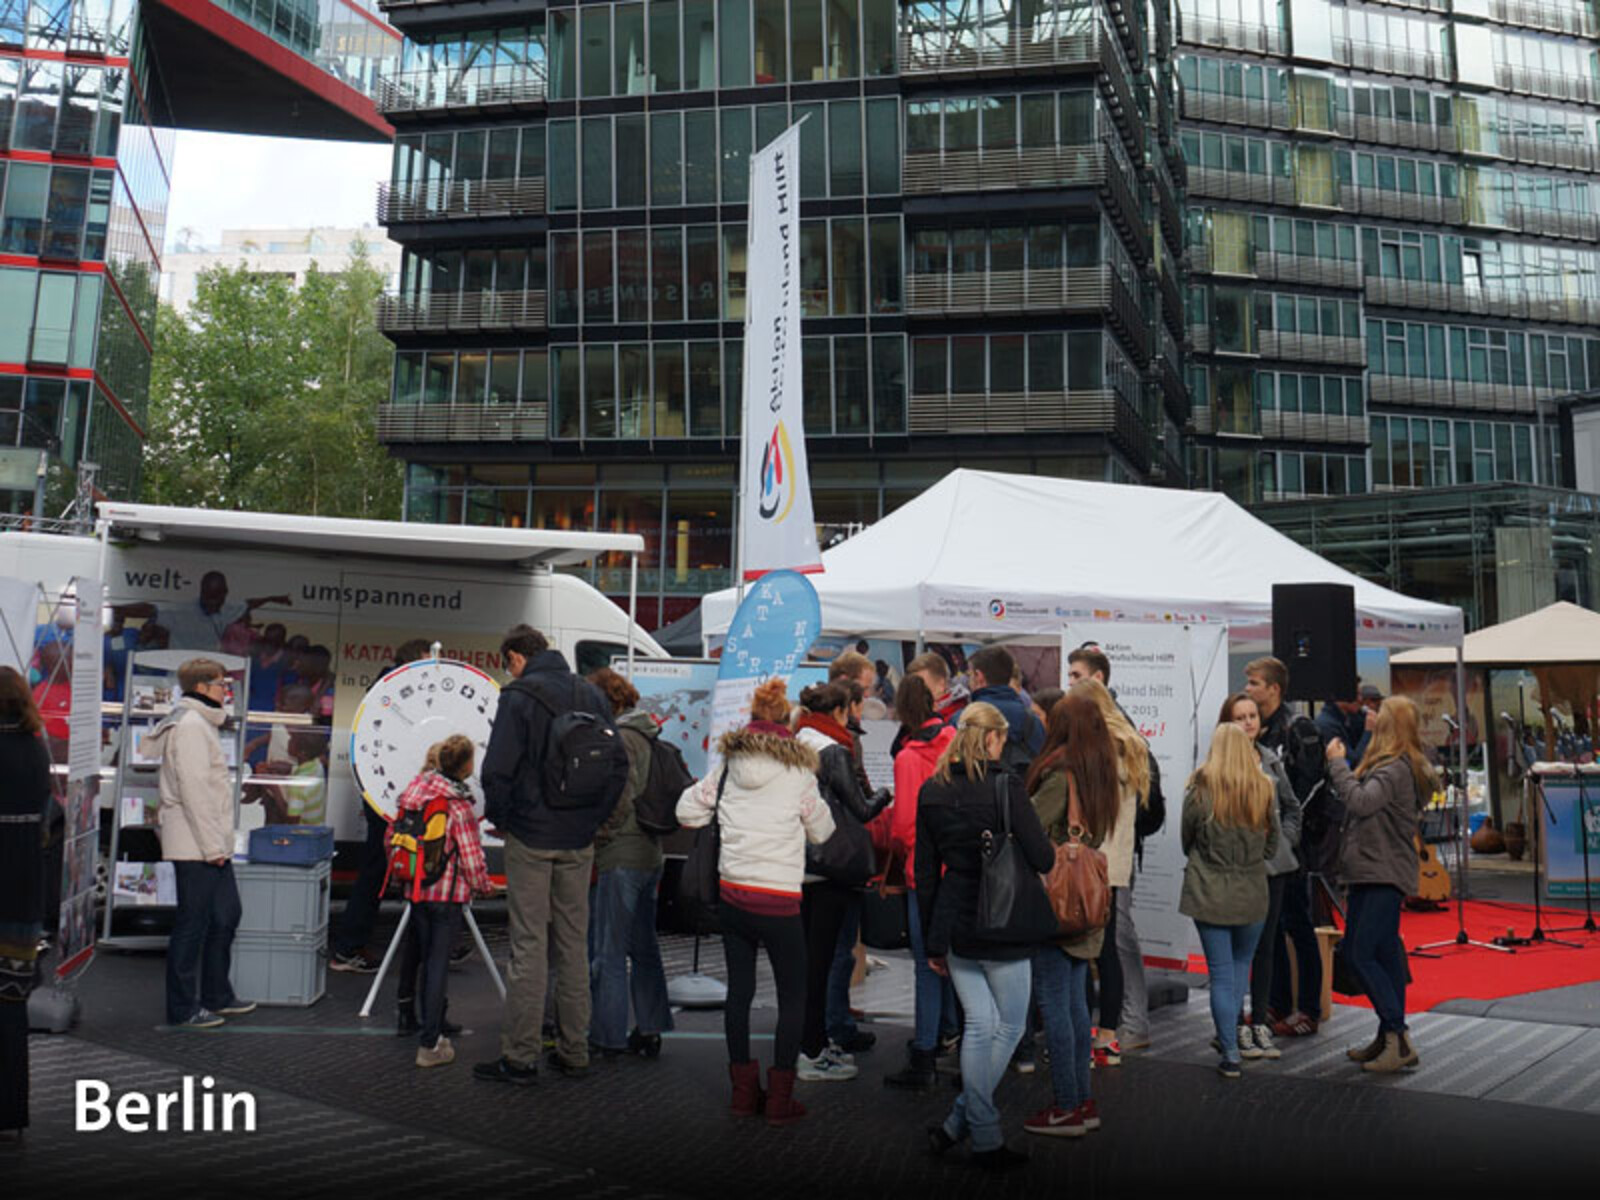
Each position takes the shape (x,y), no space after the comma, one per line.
(655,808)
(419,852)
(580,757)
(1149,818)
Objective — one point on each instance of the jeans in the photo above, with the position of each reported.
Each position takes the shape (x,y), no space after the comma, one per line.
(935,998)
(785,940)
(547,901)
(836,1013)
(361,909)
(1228,950)
(1372,933)
(995,998)
(1061,983)
(436,926)
(622,932)
(200,949)
(822,911)
(1265,960)
(1135,1024)
(1295,922)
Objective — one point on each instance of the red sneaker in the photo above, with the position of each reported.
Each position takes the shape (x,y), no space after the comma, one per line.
(1109,1055)
(1056,1122)
(1089,1113)
(1296,1024)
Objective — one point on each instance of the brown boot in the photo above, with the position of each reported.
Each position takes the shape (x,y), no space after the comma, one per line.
(747,1094)
(782,1107)
(1389,1060)
(1408,1052)
(1365,1054)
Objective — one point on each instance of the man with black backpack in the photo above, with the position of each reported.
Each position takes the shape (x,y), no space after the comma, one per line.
(1299,744)
(554,769)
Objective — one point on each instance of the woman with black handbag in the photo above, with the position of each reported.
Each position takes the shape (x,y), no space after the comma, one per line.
(1075,790)
(970,815)
(834,869)
(24,804)
(764,803)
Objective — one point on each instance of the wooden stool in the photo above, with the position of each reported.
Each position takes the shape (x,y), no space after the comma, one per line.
(1327,938)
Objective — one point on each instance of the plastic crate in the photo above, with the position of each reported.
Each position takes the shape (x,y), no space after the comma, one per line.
(283,969)
(283,899)
(291,845)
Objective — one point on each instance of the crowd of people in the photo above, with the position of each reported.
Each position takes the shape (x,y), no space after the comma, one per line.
(1283,813)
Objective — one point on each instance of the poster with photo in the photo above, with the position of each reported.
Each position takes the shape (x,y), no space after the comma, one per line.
(138,808)
(141,884)
(80,861)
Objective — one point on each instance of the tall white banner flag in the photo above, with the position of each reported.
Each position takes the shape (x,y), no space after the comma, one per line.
(776,528)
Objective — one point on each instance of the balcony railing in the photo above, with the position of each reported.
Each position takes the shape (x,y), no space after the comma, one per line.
(1385,131)
(1314,427)
(462,198)
(475,88)
(468,311)
(1171,300)
(1311,347)
(1101,411)
(1050,289)
(1241,185)
(1232,35)
(1168,362)
(1457,298)
(463,423)
(1236,110)
(1391,60)
(1553,223)
(1576,19)
(1305,268)
(1401,205)
(1555,85)
(1546,152)
(1169,214)
(1449,393)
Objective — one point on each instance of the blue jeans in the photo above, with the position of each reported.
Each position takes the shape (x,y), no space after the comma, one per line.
(836,1015)
(1372,934)
(1229,949)
(995,997)
(200,949)
(1061,984)
(935,998)
(622,928)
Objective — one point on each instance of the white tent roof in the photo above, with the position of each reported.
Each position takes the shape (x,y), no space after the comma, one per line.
(985,556)
(1557,634)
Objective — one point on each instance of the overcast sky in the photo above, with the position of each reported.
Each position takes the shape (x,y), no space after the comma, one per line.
(227,181)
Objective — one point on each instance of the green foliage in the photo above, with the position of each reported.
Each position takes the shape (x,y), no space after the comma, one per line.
(265,396)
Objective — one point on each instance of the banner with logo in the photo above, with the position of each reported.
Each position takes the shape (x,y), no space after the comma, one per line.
(770,635)
(776,529)
(1573,807)
(1171,681)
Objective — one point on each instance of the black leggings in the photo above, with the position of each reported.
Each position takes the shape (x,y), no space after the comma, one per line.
(1110,970)
(1261,966)
(822,910)
(785,940)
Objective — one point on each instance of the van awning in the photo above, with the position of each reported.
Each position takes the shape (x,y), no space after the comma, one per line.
(461,544)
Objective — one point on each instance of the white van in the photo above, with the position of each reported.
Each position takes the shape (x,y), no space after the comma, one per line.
(359,589)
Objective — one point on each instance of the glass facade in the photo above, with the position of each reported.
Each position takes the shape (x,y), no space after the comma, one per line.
(1391,228)
(990,256)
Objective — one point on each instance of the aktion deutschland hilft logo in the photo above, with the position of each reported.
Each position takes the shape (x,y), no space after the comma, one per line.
(997,609)
(777,477)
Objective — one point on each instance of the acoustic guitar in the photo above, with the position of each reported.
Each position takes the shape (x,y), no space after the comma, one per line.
(1433,881)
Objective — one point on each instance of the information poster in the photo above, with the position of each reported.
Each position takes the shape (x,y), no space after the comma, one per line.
(1171,680)
(81,836)
(1574,809)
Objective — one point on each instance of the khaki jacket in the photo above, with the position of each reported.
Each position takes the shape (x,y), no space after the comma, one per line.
(1225,880)
(196,816)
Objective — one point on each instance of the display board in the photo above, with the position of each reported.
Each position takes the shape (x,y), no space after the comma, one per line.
(410,709)
(81,835)
(1574,814)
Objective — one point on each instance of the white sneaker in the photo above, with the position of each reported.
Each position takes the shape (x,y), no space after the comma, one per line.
(839,1054)
(824,1068)
(1265,1046)
(1247,1043)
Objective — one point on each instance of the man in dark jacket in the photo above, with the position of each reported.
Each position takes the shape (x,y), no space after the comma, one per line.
(549,851)
(1299,743)
(1346,720)
(991,670)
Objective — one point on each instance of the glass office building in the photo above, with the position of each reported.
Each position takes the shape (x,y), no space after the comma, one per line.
(991,223)
(90,93)
(1392,227)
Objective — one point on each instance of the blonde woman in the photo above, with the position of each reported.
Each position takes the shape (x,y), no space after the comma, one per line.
(955,809)
(1133,777)
(1229,832)
(1378,861)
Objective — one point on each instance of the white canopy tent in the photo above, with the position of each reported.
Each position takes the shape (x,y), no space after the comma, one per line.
(984,556)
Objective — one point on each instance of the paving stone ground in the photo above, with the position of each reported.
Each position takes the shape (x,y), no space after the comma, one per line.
(336,1091)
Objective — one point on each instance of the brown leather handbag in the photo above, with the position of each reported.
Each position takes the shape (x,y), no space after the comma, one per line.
(1078,883)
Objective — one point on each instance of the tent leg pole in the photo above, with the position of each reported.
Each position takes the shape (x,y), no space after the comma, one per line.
(633,606)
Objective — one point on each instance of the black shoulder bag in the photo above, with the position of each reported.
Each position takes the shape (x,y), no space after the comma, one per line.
(1013,905)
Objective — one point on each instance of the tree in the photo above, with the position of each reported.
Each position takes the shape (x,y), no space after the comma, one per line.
(265,396)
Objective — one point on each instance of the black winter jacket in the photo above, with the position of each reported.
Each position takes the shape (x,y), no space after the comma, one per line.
(513,764)
(951,820)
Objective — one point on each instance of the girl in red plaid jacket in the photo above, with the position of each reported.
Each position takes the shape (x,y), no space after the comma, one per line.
(438,913)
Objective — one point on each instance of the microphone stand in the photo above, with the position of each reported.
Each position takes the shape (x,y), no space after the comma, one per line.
(1520,772)
(1455,781)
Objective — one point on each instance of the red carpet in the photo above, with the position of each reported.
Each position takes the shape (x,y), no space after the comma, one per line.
(1469,973)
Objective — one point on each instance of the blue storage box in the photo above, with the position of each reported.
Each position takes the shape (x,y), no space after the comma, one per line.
(291,845)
